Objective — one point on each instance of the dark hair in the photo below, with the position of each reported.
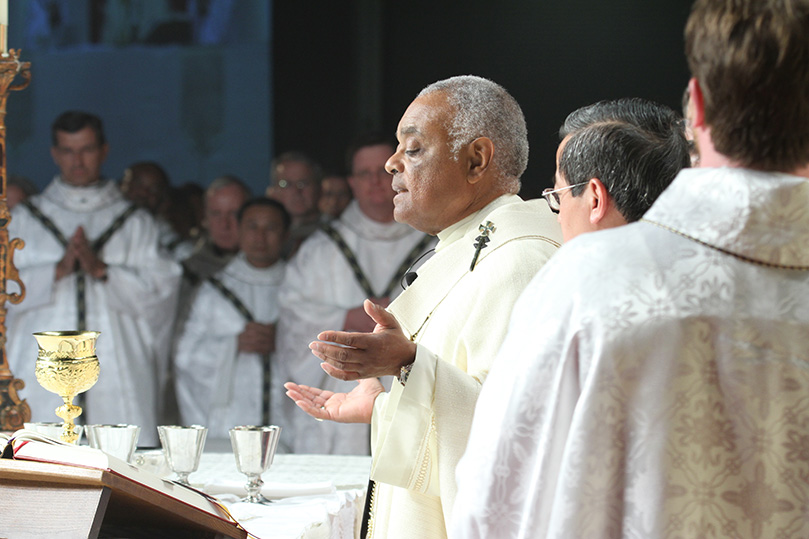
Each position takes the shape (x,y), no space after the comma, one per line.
(751,59)
(634,146)
(286,219)
(74,121)
(365,140)
(148,167)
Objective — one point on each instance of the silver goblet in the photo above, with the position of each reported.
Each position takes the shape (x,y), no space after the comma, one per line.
(254,448)
(183,448)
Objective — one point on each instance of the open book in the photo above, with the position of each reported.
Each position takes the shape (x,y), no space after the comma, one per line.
(33,446)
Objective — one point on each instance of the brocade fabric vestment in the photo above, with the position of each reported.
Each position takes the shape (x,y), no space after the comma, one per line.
(655,377)
(458,318)
(318,291)
(217,385)
(133,309)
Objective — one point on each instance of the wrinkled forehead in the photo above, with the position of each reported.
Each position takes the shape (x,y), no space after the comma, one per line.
(425,113)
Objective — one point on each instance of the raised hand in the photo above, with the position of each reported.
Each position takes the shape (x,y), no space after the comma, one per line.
(365,355)
(353,407)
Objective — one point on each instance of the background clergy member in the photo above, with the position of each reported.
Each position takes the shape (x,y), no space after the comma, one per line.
(462,149)
(223,353)
(654,380)
(91,261)
(364,253)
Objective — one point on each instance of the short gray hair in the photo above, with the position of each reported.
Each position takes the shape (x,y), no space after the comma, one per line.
(483,108)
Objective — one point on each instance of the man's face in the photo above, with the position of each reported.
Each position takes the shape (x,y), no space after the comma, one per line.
(335,194)
(221,209)
(574,215)
(261,235)
(79,156)
(430,185)
(146,190)
(370,182)
(296,189)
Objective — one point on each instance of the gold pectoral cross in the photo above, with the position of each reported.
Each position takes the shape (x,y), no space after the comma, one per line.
(481,241)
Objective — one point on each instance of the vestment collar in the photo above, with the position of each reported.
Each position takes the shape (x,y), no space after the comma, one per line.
(458,230)
(756,216)
(82,199)
(368,229)
(241,270)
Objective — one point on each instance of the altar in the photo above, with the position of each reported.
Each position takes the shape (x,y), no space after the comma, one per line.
(314,496)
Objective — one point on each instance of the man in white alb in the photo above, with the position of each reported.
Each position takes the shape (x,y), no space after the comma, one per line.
(363,254)
(654,379)
(222,361)
(91,261)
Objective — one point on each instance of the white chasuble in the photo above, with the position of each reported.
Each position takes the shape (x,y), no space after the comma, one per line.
(458,318)
(318,291)
(133,309)
(218,386)
(655,377)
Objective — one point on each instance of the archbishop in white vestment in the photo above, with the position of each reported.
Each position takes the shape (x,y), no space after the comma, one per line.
(458,319)
(319,289)
(676,410)
(131,308)
(217,385)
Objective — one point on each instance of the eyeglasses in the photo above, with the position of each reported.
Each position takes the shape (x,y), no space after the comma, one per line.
(552,196)
(300,184)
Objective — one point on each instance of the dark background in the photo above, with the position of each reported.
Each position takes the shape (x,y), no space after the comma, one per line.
(343,67)
(309,75)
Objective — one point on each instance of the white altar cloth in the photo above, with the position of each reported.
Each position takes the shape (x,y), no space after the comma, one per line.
(315,496)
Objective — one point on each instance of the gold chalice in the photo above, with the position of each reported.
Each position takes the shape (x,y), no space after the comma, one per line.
(67,365)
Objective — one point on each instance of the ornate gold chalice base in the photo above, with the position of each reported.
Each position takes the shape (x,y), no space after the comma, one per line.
(67,365)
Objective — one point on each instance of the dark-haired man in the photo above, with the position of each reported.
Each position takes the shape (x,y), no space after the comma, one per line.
(91,262)
(222,361)
(614,159)
(654,380)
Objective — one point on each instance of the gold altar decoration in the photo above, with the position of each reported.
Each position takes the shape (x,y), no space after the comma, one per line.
(13,411)
(67,365)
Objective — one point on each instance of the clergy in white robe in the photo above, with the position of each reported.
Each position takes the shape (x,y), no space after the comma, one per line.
(677,408)
(654,381)
(319,290)
(131,307)
(455,178)
(217,385)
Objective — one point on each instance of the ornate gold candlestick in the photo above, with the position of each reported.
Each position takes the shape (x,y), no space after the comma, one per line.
(67,365)
(13,411)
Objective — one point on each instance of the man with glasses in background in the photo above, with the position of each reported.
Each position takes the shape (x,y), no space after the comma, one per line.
(363,254)
(295,182)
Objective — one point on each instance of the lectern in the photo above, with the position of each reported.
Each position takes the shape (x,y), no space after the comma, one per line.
(57,501)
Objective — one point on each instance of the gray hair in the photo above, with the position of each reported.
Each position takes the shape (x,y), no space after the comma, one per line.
(227,180)
(483,108)
(295,157)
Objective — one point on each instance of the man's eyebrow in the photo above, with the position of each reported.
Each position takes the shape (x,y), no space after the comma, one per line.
(409,130)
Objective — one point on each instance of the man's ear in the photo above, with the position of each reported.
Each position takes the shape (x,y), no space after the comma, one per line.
(599,201)
(479,153)
(697,102)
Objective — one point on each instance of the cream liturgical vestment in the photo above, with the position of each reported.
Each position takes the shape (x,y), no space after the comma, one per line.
(133,308)
(218,386)
(655,378)
(319,289)
(458,318)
